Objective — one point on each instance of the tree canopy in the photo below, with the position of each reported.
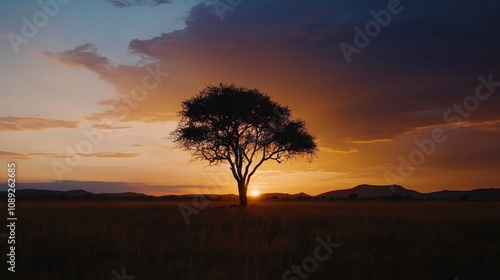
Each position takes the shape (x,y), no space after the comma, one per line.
(243,127)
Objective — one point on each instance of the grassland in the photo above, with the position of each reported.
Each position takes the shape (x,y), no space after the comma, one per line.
(380,240)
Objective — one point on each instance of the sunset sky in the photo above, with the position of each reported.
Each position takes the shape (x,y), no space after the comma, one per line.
(89,89)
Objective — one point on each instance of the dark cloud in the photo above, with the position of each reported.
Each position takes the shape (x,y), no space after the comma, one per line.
(427,59)
(366,113)
(130,3)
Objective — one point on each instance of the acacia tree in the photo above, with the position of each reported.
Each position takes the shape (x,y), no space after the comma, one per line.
(242,127)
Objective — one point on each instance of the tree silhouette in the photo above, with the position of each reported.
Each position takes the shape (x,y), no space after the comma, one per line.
(243,127)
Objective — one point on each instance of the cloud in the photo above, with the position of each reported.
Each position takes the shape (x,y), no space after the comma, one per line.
(109,155)
(290,50)
(48,155)
(130,3)
(349,140)
(143,91)
(338,151)
(268,173)
(37,124)
(422,72)
(13,155)
(492,125)
(109,127)
(85,56)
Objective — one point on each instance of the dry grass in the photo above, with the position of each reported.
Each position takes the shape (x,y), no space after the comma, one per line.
(380,240)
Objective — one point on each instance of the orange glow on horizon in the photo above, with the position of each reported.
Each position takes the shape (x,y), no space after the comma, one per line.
(254,193)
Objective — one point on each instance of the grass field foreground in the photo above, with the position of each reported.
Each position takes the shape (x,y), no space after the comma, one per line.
(150,240)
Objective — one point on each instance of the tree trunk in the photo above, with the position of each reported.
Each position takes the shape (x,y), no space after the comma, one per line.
(242,190)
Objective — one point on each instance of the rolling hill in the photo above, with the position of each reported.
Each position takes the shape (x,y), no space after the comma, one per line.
(372,191)
(395,192)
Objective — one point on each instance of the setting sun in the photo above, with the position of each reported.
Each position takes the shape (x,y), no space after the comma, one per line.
(254,193)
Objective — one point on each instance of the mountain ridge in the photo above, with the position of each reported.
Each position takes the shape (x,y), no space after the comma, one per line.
(364,191)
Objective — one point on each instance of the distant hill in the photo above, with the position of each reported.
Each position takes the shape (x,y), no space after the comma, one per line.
(284,195)
(371,191)
(37,194)
(478,194)
(46,193)
(125,194)
(394,192)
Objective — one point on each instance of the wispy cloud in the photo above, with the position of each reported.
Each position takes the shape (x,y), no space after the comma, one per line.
(110,155)
(338,151)
(108,127)
(48,155)
(14,155)
(485,126)
(368,141)
(38,124)
(490,125)
(129,80)
(82,56)
(10,155)
(130,3)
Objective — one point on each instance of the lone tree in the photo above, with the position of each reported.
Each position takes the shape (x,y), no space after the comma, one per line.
(243,127)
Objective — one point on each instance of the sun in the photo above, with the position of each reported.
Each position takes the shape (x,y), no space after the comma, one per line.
(254,193)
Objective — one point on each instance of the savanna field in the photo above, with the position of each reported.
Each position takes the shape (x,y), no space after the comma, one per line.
(151,240)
